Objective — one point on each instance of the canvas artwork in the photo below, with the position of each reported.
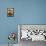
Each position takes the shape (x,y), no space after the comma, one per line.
(10,12)
(33,32)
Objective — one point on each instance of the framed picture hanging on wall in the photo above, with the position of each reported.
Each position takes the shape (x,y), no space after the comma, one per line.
(10,12)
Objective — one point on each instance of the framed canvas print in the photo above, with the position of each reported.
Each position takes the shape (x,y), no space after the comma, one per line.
(10,12)
(33,32)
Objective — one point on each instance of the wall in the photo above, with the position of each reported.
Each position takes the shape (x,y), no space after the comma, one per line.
(26,12)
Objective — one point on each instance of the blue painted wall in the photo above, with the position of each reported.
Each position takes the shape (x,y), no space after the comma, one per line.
(26,12)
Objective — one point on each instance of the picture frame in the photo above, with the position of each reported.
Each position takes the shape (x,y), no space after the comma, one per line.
(33,29)
(10,12)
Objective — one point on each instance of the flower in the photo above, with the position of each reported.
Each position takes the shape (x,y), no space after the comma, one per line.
(12,36)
